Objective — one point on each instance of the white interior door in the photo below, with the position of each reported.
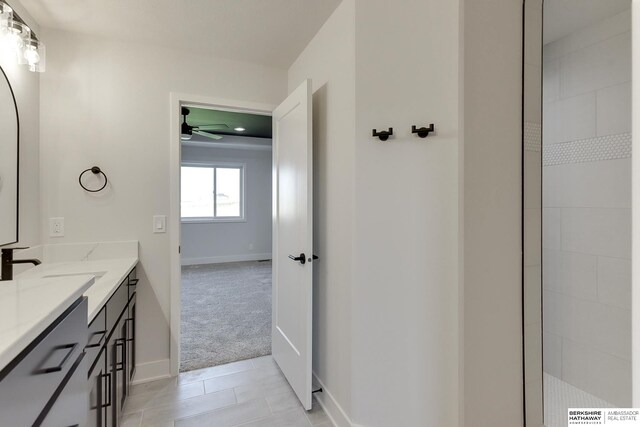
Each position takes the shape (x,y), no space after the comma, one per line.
(292,240)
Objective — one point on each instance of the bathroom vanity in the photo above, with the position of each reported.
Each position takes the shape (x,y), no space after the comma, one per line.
(68,341)
(112,354)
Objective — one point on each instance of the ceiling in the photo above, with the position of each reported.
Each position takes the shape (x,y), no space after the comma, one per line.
(563,17)
(256,126)
(267,32)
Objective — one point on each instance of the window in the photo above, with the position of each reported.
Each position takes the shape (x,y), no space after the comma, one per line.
(212,192)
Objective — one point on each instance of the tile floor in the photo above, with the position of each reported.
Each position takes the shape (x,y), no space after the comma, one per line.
(249,393)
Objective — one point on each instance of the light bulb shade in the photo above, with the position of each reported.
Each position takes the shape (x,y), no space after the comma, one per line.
(33,54)
(13,36)
(6,14)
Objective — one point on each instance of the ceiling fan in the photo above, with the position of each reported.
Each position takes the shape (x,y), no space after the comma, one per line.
(187,131)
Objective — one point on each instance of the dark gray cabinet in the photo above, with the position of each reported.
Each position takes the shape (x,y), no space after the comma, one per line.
(131,336)
(74,375)
(119,367)
(99,393)
(46,383)
(69,408)
(119,350)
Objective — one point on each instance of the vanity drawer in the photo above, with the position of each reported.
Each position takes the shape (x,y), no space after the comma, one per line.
(69,407)
(28,383)
(116,305)
(97,337)
(133,282)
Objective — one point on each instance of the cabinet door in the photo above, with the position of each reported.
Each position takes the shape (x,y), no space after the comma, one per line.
(131,339)
(70,406)
(114,356)
(118,368)
(29,381)
(109,379)
(122,362)
(99,392)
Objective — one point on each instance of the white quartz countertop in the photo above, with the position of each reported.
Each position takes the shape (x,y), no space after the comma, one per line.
(29,306)
(108,274)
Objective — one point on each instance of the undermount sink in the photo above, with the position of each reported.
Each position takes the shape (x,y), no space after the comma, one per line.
(97,274)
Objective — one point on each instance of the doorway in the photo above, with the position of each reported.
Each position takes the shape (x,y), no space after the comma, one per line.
(195,102)
(226,242)
(292,227)
(577,208)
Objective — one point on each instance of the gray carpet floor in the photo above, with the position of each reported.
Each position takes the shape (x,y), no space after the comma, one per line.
(226,313)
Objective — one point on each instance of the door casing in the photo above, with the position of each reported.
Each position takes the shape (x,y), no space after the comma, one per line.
(177,100)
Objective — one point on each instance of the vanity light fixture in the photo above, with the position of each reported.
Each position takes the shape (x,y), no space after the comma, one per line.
(6,14)
(18,40)
(33,54)
(12,37)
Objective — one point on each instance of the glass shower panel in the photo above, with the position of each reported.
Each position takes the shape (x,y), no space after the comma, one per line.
(577,207)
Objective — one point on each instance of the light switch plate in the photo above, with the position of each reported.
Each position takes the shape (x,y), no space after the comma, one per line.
(56,227)
(159,223)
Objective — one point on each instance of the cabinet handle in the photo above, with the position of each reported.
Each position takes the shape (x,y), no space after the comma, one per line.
(133,282)
(130,332)
(70,350)
(120,342)
(108,403)
(103,333)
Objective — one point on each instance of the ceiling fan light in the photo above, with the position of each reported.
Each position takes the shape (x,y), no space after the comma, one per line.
(185,136)
(239,129)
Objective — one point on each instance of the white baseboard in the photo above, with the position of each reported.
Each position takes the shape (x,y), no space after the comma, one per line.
(152,371)
(225,258)
(331,407)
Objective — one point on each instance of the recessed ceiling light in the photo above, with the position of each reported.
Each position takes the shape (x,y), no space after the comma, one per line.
(239,129)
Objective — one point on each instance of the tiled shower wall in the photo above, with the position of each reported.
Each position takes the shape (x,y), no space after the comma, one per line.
(587,209)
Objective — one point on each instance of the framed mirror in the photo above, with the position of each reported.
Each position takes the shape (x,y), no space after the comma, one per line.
(9,141)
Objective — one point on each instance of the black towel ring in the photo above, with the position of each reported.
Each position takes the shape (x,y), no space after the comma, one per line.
(95,170)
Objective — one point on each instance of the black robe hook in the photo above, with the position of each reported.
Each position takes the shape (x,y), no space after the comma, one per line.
(423,132)
(383,134)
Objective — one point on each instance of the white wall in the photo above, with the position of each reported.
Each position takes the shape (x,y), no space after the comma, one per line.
(405,285)
(587,209)
(491,214)
(26,88)
(107,103)
(330,62)
(204,243)
(406,339)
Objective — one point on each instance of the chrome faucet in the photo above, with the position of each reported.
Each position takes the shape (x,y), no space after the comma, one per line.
(8,262)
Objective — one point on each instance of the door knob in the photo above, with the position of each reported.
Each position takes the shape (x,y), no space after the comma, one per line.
(302,258)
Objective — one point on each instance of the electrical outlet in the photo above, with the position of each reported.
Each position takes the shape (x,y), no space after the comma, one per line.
(56,227)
